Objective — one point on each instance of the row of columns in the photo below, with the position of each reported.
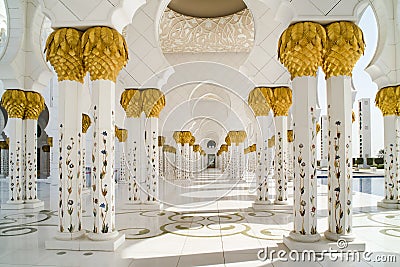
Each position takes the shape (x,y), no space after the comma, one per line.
(142,108)
(23,109)
(189,157)
(303,48)
(101,52)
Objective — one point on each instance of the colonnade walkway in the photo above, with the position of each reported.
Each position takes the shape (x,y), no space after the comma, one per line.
(207,220)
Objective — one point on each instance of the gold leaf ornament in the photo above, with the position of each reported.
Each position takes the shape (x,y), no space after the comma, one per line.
(86,122)
(301,48)
(64,52)
(257,102)
(387,100)
(34,105)
(14,102)
(131,102)
(105,53)
(153,102)
(344,46)
(279,99)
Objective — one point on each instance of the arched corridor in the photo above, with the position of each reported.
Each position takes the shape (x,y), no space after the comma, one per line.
(199,133)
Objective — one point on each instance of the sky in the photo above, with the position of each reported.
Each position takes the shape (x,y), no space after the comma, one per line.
(363,84)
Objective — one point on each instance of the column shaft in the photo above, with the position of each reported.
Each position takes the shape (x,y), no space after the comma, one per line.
(15,157)
(304,144)
(133,159)
(281,196)
(339,101)
(103,154)
(70,198)
(152,157)
(31,160)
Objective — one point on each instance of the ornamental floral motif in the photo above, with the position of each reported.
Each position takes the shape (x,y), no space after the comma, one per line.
(180,33)
(338,208)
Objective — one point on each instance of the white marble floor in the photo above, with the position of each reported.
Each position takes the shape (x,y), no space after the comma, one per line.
(205,222)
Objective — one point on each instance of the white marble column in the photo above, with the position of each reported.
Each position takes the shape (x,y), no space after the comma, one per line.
(103,156)
(70,189)
(133,159)
(185,160)
(4,161)
(281,196)
(340,158)
(305,172)
(152,156)
(31,198)
(15,129)
(391,160)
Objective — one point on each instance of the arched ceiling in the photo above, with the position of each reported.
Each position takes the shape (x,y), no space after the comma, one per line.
(207,8)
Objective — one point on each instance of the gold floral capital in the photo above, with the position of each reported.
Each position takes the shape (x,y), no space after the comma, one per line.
(186,137)
(387,100)
(344,46)
(86,122)
(34,105)
(153,102)
(279,99)
(177,137)
(228,140)
(301,48)
(290,136)
(318,127)
(121,134)
(105,53)
(14,102)
(64,52)
(196,148)
(161,140)
(131,102)
(271,142)
(258,103)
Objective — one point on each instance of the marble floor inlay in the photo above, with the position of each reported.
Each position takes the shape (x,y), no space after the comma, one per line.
(207,221)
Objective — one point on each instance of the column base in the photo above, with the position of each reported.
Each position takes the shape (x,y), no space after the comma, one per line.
(13,205)
(141,206)
(335,237)
(69,236)
(33,204)
(323,245)
(261,205)
(85,244)
(388,204)
(102,236)
(304,238)
(281,202)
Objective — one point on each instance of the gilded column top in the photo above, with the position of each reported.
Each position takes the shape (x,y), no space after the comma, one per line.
(228,140)
(34,105)
(177,137)
(318,127)
(237,137)
(247,150)
(196,148)
(161,140)
(153,102)
(344,46)
(258,103)
(105,53)
(290,136)
(301,48)
(224,148)
(186,137)
(387,100)
(121,134)
(253,148)
(86,122)
(192,141)
(279,99)
(14,102)
(64,52)
(271,142)
(131,102)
